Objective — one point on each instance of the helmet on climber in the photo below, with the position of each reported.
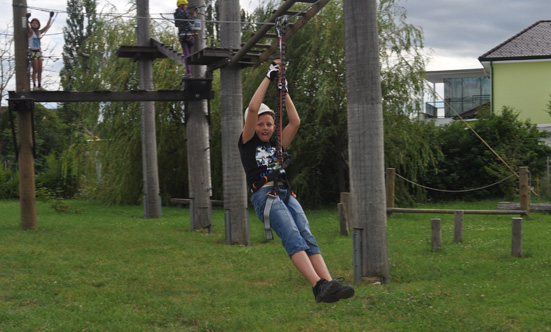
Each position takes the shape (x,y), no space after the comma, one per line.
(35,20)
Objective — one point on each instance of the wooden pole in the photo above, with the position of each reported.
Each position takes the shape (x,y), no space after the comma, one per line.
(524,190)
(436,231)
(345,200)
(516,238)
(366,134)
(458,226)
(343,221)
(390,185)
(231,96)
(27,187)
(152,200)
(197,134)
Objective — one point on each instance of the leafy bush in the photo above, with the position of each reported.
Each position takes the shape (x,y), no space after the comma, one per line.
(9,183)
(469,163)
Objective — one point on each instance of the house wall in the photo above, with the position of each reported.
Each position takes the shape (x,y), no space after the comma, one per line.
(524,86)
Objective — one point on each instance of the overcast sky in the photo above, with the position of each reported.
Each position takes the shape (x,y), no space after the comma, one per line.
(456,32)
(459,32)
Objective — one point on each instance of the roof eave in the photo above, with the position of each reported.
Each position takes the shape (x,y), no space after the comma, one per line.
(514,58)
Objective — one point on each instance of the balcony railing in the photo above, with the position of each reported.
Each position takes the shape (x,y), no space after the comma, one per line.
(454,106)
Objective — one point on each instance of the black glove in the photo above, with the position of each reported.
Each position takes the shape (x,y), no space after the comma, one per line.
(273,71)
(52,14)
(28,15)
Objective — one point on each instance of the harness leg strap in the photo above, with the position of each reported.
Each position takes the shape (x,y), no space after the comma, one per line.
(267,208)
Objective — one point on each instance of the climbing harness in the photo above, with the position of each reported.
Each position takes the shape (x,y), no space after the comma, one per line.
(283,159)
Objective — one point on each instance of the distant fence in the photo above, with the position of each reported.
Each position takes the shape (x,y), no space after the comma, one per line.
(524,190)
(522,208)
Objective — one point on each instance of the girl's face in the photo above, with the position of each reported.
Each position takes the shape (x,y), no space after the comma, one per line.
(35,25)
(265,127)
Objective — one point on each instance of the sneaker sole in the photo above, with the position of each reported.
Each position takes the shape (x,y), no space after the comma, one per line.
(345,293)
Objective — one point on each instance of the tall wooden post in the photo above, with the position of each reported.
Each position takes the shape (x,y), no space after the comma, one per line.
(197,133)
(27,189)
(524,190)
(365,134)
(152,200)
(235,191)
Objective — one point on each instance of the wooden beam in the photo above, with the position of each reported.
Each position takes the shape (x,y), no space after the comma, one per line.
(447,211)
(181,202)
(260,33)
(101,96)
(293,28)
(535,207)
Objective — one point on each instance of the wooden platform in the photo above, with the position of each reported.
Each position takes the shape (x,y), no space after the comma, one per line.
(215,58)
(157,50)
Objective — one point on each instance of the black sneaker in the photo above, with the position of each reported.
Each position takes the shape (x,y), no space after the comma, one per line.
(324,289)
(344,292)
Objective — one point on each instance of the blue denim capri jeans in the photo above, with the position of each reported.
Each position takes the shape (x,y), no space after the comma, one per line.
(289,221)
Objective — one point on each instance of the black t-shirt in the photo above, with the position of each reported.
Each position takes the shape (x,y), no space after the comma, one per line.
(258,158)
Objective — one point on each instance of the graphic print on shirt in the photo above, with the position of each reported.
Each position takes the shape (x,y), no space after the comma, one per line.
(34,42)
(265,156)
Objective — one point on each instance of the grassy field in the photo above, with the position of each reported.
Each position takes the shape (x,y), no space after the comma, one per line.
(105,268)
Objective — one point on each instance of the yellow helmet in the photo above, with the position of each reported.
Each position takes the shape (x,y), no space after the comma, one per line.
(181,2)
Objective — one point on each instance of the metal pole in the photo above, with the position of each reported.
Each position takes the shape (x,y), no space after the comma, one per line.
(524,190)
(548,173)
(357,254)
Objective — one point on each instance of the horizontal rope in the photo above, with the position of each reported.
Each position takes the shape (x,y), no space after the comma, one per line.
(455,191)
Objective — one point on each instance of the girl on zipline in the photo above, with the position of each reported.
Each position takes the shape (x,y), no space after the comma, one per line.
(265,178)
(35,51)
(186,34)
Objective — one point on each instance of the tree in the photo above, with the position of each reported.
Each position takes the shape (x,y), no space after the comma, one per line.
(82,23)
(7,61)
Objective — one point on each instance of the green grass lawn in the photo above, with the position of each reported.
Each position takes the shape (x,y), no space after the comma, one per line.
(105,268)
